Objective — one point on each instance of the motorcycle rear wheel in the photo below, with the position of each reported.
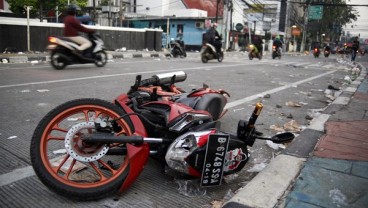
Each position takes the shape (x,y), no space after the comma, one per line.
(101,175)
(101,58)
(57,60)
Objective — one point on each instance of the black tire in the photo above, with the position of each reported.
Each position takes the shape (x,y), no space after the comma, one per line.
(175,52)
(51,134)
(250,57)
(185,54)
(58,60)
(273,55)
(204,58)
(100,58)
(221,58)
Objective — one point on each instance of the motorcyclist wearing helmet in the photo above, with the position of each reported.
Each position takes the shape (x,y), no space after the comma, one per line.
(214,38)
(71,28)
(277,42)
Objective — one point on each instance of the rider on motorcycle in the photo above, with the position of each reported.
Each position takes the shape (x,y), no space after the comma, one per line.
(71,28)
(214,38)
(277,43)
(257,41)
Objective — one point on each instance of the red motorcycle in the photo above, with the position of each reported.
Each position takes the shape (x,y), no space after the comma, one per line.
(88,149)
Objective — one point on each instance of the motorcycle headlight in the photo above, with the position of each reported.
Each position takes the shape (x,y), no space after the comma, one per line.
(181,148)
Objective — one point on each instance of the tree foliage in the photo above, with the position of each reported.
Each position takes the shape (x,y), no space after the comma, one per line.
(336,14)
(41,7)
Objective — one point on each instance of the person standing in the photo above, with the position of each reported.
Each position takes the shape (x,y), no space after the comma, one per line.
(354,48)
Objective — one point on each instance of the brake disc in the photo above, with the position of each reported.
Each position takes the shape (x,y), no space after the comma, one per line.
(80,150)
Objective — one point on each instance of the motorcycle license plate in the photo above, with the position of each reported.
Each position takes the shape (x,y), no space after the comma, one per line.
(214,160)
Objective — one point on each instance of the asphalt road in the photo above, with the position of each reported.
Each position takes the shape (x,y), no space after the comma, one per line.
(29,91)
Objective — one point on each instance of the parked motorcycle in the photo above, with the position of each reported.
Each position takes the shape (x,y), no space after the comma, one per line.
(178,48)
(88,149)
(316,52)
(209,53)
(253,52)
(276,52)
(63,52)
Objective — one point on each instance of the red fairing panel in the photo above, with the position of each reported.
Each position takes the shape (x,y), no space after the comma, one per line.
(138,125)
(137,157)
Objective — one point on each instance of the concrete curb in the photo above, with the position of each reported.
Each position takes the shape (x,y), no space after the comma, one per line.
(269,187)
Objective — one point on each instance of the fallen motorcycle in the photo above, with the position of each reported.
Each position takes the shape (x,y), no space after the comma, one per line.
(88,149)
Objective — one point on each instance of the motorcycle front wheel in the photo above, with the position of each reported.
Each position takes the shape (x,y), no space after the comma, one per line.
(101,58)
(74,168)
(58,60)
(204,58)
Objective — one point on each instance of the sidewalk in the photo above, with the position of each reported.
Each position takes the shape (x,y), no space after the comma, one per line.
(325,166)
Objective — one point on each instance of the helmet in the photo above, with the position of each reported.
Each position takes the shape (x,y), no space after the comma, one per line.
(277,37)
(72,9)
(257,32)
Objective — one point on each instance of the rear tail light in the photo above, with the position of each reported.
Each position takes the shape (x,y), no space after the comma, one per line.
(52,39)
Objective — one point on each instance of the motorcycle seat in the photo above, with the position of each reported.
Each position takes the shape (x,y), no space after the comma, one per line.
(212,103)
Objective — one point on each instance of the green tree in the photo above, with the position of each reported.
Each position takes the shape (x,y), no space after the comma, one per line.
(41,7)
(336,14)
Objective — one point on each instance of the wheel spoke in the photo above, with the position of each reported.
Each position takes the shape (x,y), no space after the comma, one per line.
(98,171)
(67,174)
(107,166)
(58,168)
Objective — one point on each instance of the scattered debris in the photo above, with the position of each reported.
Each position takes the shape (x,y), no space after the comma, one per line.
(34,62)
(330,87)
(12,137)
(275,146)
(278,106)
(277,128)
(289,116)
(59,151)
(43,90)
(257,167)
(55,162)
(292,104)
(190,188)
(267,96)
(5,61)
(229,178)
(292,126)
(347,79)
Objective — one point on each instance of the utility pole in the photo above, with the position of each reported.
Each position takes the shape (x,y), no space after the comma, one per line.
(304,36)
(217,5)
(28,31)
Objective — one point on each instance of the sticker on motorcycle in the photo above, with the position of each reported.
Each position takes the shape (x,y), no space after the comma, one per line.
(234,158)
(214,160)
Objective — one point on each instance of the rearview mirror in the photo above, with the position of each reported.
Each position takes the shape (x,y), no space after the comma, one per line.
(282,138)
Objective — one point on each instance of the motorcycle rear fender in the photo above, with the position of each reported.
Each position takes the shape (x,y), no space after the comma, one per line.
(138,157)
(211,46)
(138,125)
